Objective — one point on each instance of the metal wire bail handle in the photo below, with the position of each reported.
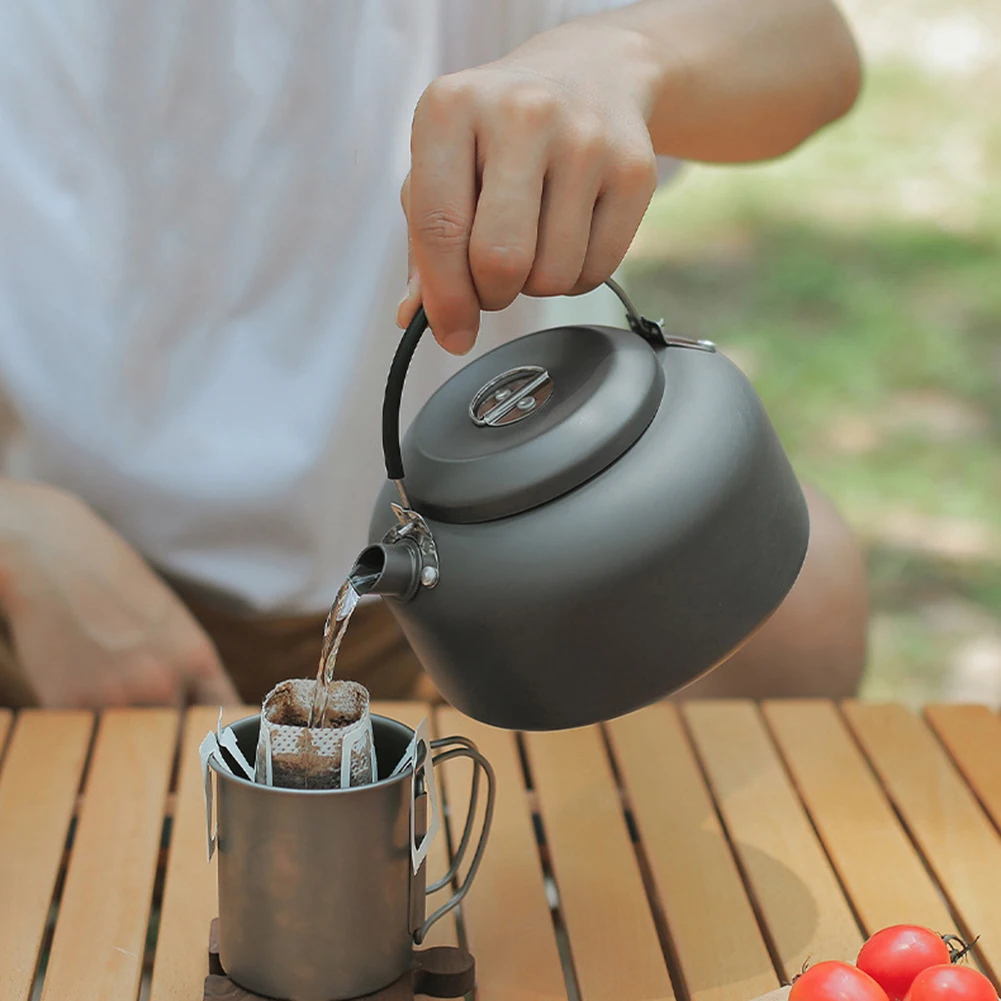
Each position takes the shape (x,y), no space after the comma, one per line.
(649,329)
(462,747)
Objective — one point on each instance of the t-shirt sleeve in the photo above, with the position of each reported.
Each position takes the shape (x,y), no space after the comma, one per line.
(479,31)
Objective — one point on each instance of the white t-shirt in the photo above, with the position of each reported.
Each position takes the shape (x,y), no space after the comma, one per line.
(201,253)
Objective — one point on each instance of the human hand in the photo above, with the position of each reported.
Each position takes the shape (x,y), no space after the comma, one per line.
(91,623)
(528,175)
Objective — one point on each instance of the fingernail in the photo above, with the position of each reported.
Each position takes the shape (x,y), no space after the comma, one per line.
(459,342)
(402,312)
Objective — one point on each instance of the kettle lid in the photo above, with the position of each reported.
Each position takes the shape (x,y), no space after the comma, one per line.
(530,421)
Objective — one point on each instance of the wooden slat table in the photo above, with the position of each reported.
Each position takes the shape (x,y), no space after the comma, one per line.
(699,853)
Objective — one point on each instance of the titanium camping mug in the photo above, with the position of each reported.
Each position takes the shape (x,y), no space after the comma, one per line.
(318,898)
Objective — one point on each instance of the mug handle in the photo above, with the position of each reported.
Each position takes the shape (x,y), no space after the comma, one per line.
(462,747)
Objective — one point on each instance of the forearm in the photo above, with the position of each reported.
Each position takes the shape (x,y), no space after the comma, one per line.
(723,81)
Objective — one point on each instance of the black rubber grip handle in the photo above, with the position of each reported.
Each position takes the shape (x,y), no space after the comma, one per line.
(394,393)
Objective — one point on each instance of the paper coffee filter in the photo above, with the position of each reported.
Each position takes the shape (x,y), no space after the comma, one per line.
(292,755)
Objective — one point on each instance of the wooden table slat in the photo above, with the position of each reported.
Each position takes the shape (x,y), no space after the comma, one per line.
(972,734)
(616,947)
(712,925)
(190,893)
(38,788)
(508,923)
(784,863)
(444,932)
(880,869)
(954,835)
(97,948)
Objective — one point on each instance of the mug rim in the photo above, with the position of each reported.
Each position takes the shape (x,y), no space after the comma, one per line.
(232,776)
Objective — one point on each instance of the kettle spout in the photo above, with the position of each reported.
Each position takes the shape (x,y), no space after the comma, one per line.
(392,570)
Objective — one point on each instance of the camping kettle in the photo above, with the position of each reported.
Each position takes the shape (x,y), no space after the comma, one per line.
(581,521)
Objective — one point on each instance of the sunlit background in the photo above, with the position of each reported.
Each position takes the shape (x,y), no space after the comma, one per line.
(858,283)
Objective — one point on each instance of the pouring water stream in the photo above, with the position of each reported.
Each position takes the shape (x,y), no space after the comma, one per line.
(334,628)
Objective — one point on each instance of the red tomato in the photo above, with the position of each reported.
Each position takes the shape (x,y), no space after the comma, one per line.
(894,956)
(834,981)
(951,983)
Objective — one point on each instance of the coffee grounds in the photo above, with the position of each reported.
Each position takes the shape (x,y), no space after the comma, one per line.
(305,757)
(284,707)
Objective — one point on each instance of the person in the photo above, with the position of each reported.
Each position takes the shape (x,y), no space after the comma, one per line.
(201,253)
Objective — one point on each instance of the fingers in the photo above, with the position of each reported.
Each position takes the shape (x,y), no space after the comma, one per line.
(143,679)
(517,184)
(503,241)
(594,202)
(442,200)
(571,190)
(149,680)
(617,215)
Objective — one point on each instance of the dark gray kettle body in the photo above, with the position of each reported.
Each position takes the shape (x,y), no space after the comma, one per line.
(597,517)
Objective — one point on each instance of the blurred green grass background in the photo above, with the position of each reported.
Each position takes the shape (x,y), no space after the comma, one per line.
(858,283)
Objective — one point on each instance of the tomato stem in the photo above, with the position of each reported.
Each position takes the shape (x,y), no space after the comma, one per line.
(958,949)
(803,969)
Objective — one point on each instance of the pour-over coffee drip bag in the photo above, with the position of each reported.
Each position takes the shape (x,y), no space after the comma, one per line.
(336,754)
